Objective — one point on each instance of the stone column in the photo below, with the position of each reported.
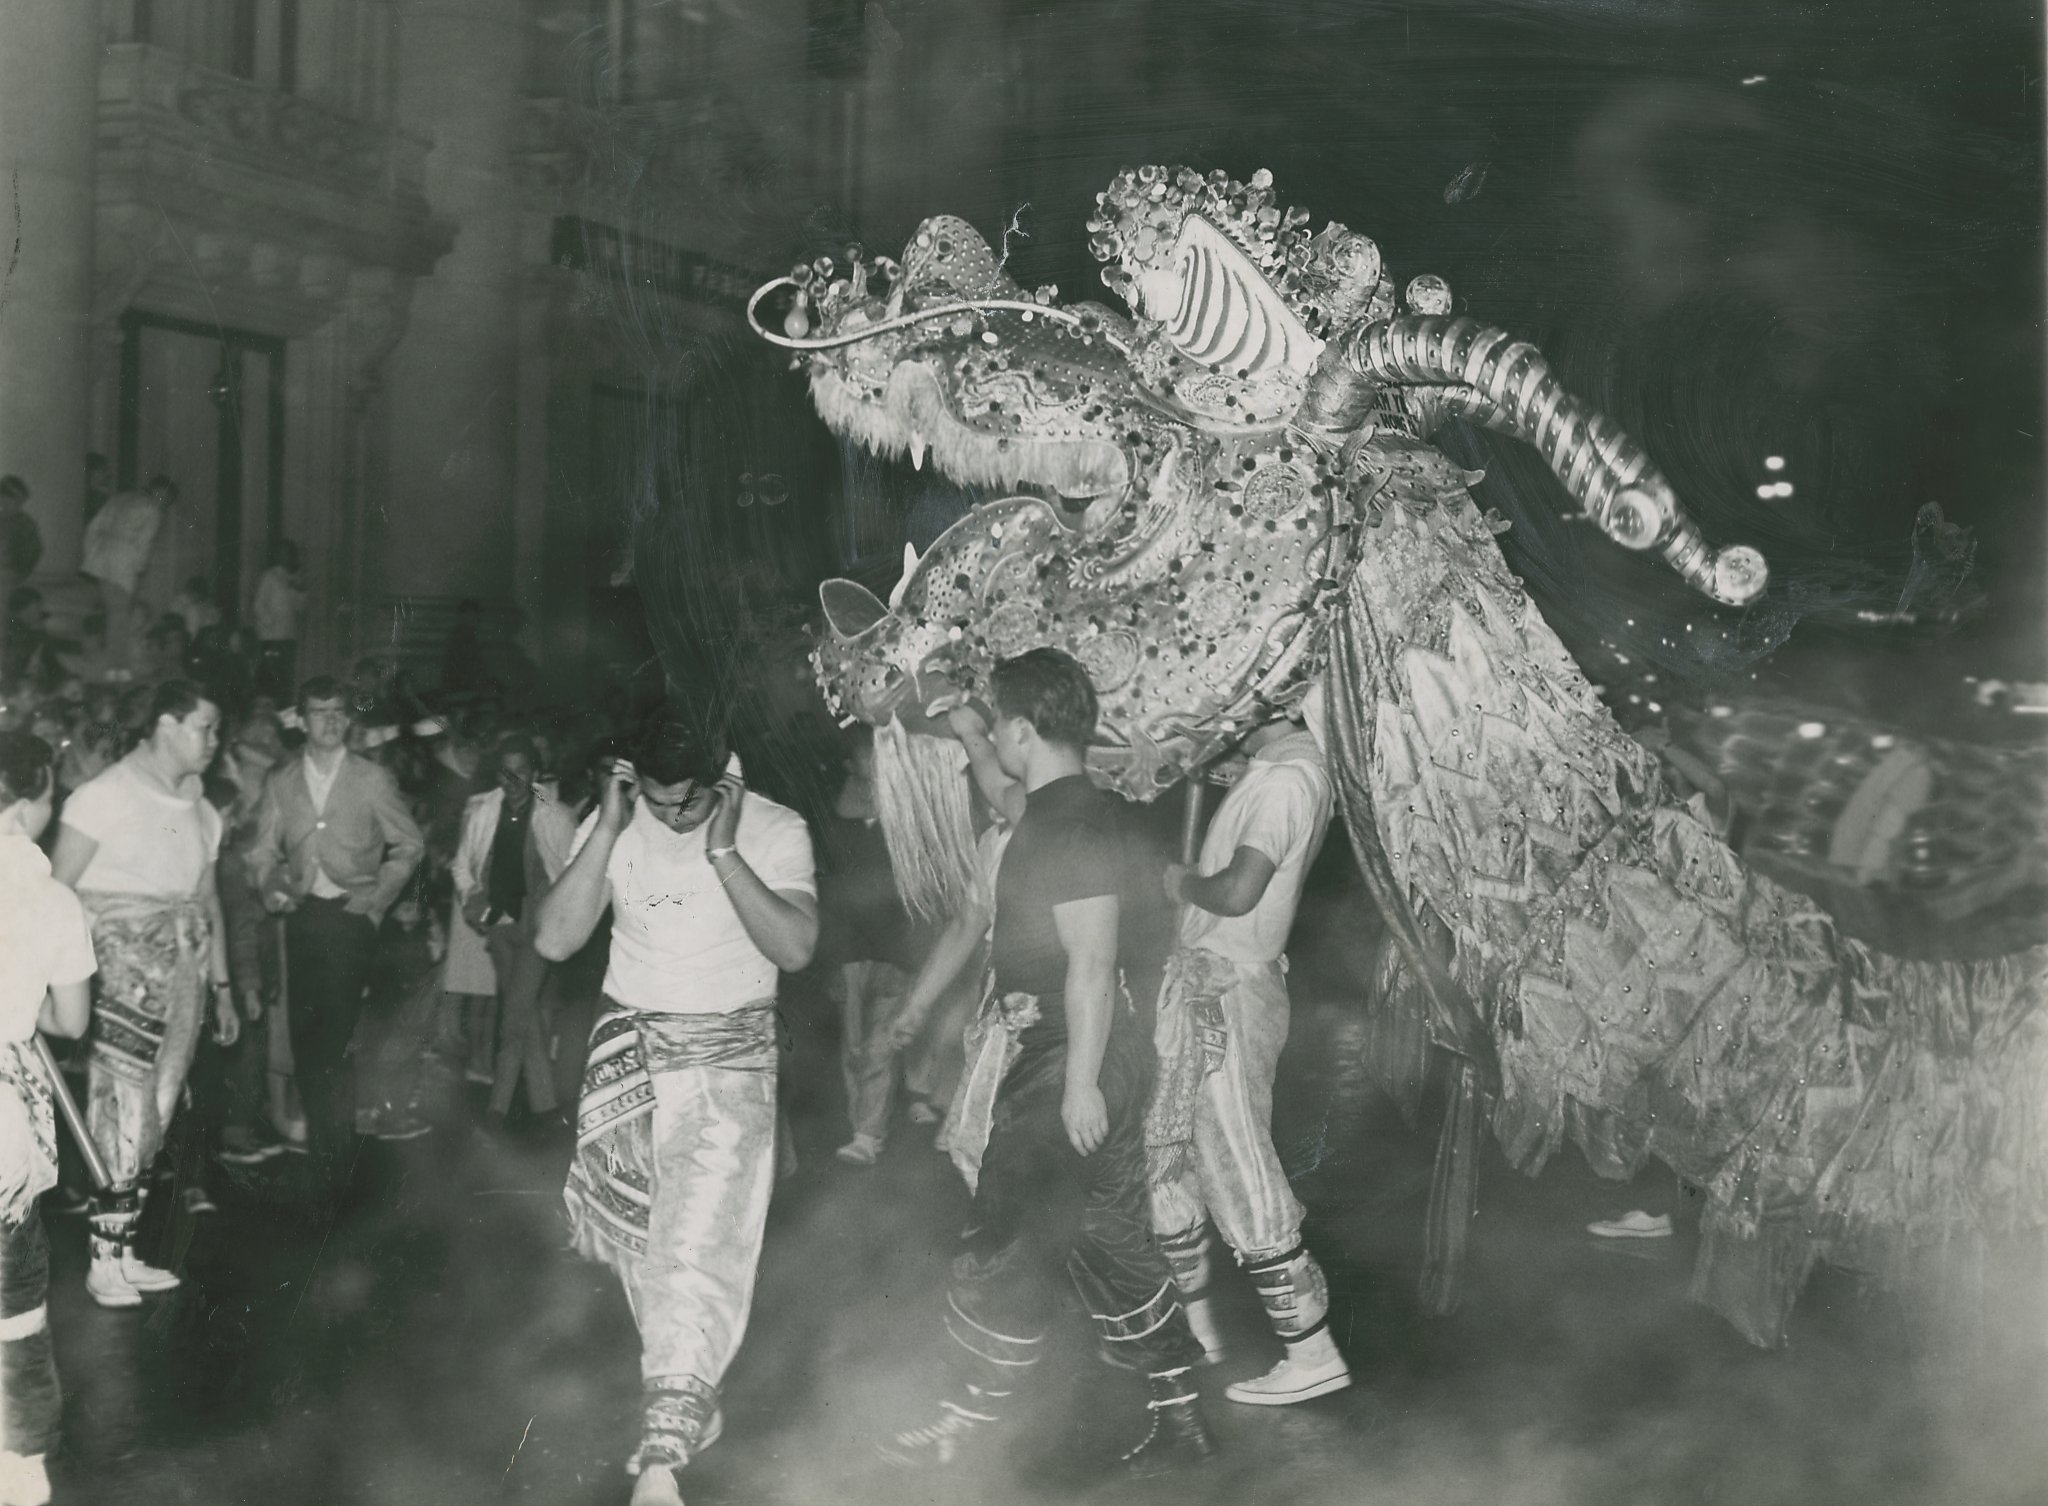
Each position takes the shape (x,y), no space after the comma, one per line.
(543,612)
(49,89)
(448,521)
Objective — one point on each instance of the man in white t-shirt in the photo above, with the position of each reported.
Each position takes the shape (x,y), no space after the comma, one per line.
(712,891)
(1222,1022)
(138,844)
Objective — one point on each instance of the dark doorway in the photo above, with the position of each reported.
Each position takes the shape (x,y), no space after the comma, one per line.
(204,404)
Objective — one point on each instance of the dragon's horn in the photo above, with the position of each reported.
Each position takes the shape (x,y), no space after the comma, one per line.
(909,569)
(850,608)
(1505,384)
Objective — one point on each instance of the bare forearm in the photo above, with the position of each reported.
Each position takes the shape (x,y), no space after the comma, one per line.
(785,931)
(1004,794)
(1213,893)
(1088,1003)
(222,971)
(72,857)
(1234,890)
(66,1011)
(949,954)
(569,911)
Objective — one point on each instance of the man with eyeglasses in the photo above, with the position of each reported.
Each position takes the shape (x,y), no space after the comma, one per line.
(712,891)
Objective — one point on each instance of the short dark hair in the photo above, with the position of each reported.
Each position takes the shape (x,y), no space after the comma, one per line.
(670,747)
(25,762)
(321,688)
(161,630)
(13,486)
(518,742)
(176,699)
(1051,691)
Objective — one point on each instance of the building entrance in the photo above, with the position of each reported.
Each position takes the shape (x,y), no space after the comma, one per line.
(204,405)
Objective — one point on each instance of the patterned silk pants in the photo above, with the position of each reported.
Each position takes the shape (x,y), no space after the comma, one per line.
(675,1162)
(148,1001)
(1234,1173)
(1224,1024)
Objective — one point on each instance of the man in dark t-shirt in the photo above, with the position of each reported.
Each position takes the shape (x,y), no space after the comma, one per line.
(1065,849)
(1064,1167)
(1146,923)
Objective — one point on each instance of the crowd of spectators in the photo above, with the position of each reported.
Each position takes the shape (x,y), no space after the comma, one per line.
(433,1000)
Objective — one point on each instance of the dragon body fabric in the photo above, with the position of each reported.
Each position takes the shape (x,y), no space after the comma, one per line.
(1229,497)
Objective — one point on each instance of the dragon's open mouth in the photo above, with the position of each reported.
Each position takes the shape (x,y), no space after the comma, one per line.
(915,419)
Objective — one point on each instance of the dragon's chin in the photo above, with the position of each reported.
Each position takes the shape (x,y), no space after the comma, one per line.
(914,419)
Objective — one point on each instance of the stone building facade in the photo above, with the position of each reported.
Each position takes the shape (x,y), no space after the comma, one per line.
(435,288)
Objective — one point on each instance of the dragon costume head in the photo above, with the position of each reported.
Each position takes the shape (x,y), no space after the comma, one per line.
(1192,482)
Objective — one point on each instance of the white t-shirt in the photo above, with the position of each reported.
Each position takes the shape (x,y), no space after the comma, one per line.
(43,936)
(1280,808)
(150,841)
(678,946)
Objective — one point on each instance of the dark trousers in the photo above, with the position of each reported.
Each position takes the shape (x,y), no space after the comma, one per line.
(327,961)
(1039,1201)
(523,1024)
(28,1365)
(246,1091)
(195,1133)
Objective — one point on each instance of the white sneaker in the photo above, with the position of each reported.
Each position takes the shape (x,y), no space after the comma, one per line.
(23,1480)
(657,1487)
(1309,1369)
(1634,1224)
(144,1277)
(105,1284)
(922,1112)
(861,1150)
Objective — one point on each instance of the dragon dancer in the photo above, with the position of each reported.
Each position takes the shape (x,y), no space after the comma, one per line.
(712,889)
(1222,1021)
(1064,1161)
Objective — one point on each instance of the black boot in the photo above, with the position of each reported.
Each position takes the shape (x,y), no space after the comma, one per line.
(964,1423)
(1179,1433)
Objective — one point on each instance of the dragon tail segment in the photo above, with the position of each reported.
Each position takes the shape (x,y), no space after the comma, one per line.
(1507,385)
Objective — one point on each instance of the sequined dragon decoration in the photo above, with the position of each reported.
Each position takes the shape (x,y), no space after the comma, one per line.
(1229,495)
